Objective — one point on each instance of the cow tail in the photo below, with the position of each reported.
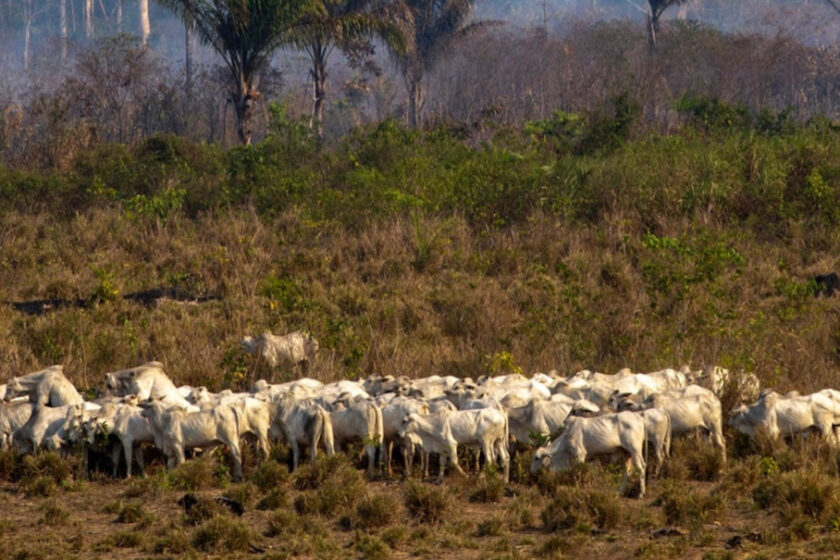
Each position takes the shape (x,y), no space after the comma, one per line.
(239,416)
(379,433)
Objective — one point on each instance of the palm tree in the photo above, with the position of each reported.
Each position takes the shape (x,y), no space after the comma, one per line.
(245,33)
(657,8)
(430,28)
(342,23)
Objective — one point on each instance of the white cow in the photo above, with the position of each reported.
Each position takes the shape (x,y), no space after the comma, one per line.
(658,435)
(585,438)
(254,417)
(13,415)
(148,382)
(393,414)
(129,426)
(689,413)
(718,379)
(48,387)
(779,416)
(176,430)
(544,418)
(301,423)
(443,431)
(48,423)
(296,348)
(359,420)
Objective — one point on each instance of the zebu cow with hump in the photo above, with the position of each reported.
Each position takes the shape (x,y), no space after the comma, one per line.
(585,438)
(148,382)
(544,418)
(443,431)
(357,419)
(48,387)
(689,410)
(13,415)
(176,430)
(301,423)
(779,416)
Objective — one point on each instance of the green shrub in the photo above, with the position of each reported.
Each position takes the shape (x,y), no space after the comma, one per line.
(43,486)
(491,527)
(371,546)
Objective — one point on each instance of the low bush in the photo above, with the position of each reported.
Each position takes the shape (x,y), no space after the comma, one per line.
(681,505)
(491,527)
(372,547)
(54,514)
(425,503)
(131,513)
(805,501)
(222,534)
(269,475)
(575,508)
(275,499)
(375,511)
(202,473)
(489,488)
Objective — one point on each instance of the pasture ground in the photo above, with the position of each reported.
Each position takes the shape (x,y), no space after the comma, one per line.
(771,502)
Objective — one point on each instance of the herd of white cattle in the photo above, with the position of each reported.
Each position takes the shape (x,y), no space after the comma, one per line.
(582,416)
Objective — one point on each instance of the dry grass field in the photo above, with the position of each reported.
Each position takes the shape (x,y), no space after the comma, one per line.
(410,254)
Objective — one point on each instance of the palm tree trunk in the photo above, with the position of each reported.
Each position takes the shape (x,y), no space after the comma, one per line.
(243,110)
(62,15)
(145,24)
(415,99)
(652,25)
(89,18)
(188,57)
(319,77)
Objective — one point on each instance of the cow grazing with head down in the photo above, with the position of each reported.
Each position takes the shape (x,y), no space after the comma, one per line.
(585,438)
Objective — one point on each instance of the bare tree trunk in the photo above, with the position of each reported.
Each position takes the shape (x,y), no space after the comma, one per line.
(89,18)
(62,8)
(119,15)
(319,77)
(145,24)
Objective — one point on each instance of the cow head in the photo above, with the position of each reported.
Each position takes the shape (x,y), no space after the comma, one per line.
(408,425)
(541,460)
(14,388)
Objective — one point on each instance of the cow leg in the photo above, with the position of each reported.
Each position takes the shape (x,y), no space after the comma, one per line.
(116,453)
(453,451)
(640,467)
(717,435)
(389,449)
(237,460)
(127,446)
(442,467)
(141,461)
(504,457)
(296,454)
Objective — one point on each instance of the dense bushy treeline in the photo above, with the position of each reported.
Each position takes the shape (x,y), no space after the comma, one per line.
(576,241)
